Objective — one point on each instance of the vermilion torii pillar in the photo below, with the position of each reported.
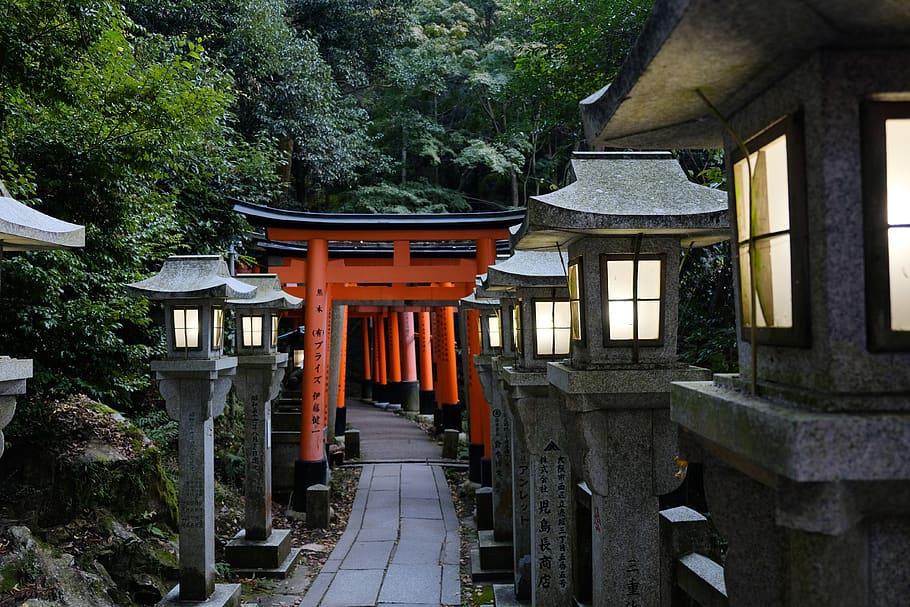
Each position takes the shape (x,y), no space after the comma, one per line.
(366,389)
(381,389)
(447,388)
(409,386)
(478,407)
(394,361)
(311,468)
(427,394)
(341,415)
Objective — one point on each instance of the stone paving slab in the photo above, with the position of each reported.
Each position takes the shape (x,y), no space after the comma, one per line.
(417,551)
(412,584)
(353,588)
(421,508)
(368,555)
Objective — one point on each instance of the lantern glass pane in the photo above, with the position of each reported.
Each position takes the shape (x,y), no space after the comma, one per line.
(573,281)
(217,327)
(773,285)
(516,327)
(543,315)
(274,331)
(298,358)
(544,341)
(649,279)
(619,278)
(576,319)
(251,331)
(186,328)
(899,271)
(621,318)
(897,159)
(649,319)
(770,190)
(495,331)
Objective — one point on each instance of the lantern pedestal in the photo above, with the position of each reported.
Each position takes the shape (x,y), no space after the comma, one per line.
(624,447)
(544,493)
(259,548)
(13,373)
(195,392)
(814,504)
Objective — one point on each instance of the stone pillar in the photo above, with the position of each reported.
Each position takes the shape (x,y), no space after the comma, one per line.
(13,373)
(195,391)
(410,395)
(478,407)
(501,453)
(258,546)
(551,493)
(427,393)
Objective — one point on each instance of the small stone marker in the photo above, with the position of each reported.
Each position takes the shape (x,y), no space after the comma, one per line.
(318,511)
(450,444)
(352,444)
(483,498)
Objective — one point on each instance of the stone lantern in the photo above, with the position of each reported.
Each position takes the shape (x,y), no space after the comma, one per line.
(25,229)
(260,370)
(194,380)
(803,450)
(624,222)
(534,284)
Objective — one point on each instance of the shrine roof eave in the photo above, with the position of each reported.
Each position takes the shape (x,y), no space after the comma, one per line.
(267,216)
(729,52)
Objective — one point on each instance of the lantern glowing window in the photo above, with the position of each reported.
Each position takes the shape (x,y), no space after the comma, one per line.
(274,331)
(186,328)
(495,328)
(298,358)
(886,185)
(763,235)
(771,235)
(633,296)
(553,328)
(217,327)
(251,331)
(575,299)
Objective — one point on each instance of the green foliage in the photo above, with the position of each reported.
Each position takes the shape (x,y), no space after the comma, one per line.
(707,323)
(159,428)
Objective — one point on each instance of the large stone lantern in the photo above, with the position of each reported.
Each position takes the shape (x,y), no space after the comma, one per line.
(194,380)
(260,370)
(534,284)
(625,223)
(804,449)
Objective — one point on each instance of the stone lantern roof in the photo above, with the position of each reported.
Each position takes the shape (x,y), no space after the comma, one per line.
(269,294)
(527,269)
(729,52)
(23,228)
(193,277)
(618,193)
(474,301)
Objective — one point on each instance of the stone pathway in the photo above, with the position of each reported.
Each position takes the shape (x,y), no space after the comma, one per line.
(386,436)
(401,546)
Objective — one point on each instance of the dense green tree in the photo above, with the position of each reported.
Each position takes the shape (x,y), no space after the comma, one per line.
(128,133)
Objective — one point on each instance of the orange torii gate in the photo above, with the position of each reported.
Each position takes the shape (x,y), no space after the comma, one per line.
(379,265)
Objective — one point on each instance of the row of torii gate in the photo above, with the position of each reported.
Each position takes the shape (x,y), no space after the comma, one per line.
(383,269)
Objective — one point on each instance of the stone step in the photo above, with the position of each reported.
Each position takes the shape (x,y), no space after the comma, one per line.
(244,554)
(504,596)
(286,421)
(494,554)
(480,575)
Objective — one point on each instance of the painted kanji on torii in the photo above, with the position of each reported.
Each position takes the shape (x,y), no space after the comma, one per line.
(380,266)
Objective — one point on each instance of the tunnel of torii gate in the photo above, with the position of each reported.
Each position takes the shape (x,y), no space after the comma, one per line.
(382,269)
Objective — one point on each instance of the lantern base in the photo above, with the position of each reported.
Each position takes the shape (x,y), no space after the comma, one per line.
(307,474)
(427,402)
(341,420)
(475,454)
(451,417)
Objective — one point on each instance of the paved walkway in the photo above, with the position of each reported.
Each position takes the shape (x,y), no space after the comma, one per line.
(401,545)
(385,436)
